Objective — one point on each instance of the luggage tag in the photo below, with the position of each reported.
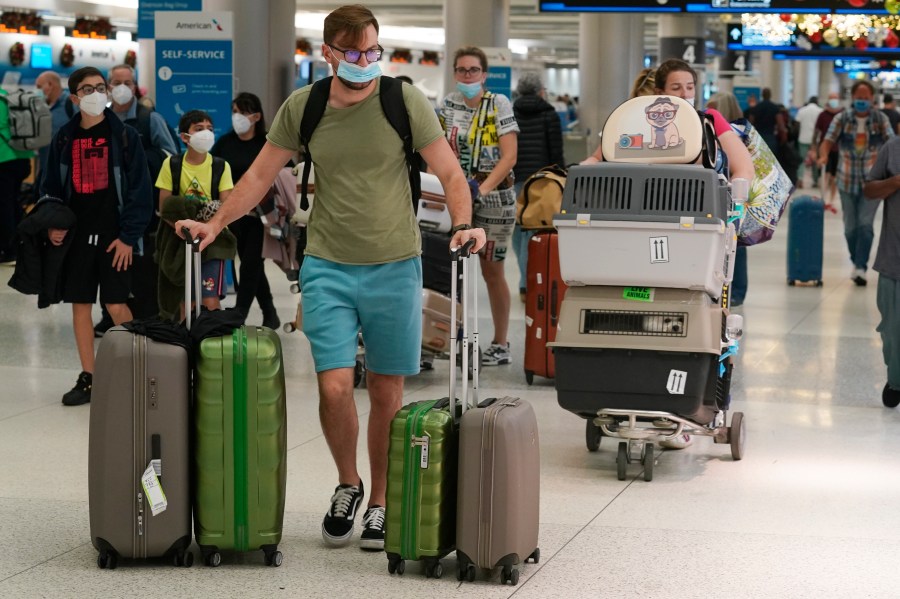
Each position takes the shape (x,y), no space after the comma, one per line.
(154,490)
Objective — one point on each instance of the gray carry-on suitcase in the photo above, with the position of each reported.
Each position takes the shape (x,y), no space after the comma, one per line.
(498,484)
(139,444)
(499,488)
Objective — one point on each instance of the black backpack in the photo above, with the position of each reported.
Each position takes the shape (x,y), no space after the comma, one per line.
(218,167)
(391,94)
(155,156)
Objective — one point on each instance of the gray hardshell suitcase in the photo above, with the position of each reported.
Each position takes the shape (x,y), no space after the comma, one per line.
(140,423)
(139,418)
(498,500)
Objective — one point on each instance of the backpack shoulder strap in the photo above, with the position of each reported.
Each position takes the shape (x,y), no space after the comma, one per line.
(218,168)
(70,108)
(143,124)
(175,169)
(312,114)
(394,107)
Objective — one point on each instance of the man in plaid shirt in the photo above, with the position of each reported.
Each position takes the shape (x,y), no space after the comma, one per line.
(859,133)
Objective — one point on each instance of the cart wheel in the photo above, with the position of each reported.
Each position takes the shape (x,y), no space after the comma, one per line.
(437,571)
(648,462)
(592,435)
(535,556)
(401,567)
(514,577)
(214,559)
(622,459)
(529,377)
(288,327)
(736,434)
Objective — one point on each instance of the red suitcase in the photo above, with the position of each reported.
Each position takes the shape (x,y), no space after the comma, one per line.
(544,294)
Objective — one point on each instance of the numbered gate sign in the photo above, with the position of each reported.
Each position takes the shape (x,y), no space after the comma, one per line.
(692,50)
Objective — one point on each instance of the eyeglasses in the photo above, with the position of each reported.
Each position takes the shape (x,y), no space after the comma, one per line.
(667,114)
(372,55)
(466,72)
(87,90)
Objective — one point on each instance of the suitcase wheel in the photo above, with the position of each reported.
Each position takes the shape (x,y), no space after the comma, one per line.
(736,433)
(622,460)
(214,559)
(396,566)
(529,377)
(274,558)
(509,575)
(183,559)
(107,560)
(434,570)
(791,282)
(592,435)
(359,372)
(535,557)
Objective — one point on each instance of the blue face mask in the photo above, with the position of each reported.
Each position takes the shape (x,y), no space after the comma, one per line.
(861,105)
(357,74)
(469,90)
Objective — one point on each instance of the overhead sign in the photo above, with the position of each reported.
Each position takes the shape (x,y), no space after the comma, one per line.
(720,6)
(147,10)
(692,50)
(195,66)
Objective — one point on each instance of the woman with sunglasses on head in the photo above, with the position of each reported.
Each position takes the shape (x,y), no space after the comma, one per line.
(482,132)
(240,147)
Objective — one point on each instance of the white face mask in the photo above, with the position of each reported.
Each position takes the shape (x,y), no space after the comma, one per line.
(240,123)
(122,94)
(93,104)
(202,141)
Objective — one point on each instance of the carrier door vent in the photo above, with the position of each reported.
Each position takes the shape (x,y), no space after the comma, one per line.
(668,195)
(630,322)
(603,194)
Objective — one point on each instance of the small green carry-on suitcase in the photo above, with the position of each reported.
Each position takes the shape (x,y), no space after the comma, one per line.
(421,487)
(240,444)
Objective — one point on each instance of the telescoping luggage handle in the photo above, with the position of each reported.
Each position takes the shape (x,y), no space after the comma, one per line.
(470,339)
(191,272)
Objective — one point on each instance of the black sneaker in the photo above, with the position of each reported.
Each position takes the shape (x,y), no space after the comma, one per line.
(890,397)
(337,527)
(372,538)
(271,320)
(81,392)
(104,325)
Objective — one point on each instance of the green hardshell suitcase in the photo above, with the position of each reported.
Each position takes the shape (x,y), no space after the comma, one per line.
(240,445)
(422,461)
(421,492)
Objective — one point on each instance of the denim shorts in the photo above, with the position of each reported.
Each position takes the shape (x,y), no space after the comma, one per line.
(384,301)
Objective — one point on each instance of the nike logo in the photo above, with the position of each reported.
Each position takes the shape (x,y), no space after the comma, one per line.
(101,141)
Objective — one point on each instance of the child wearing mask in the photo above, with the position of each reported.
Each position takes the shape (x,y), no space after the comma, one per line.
(198,187)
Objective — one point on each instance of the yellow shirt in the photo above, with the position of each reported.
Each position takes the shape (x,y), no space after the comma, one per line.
(196,179)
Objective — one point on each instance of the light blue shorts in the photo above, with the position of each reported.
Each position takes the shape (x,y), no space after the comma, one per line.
(384,301)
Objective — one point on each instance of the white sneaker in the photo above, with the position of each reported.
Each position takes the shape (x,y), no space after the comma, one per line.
(495,355)
(679,442)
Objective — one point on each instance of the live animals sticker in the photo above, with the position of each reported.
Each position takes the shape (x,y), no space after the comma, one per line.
(639,294)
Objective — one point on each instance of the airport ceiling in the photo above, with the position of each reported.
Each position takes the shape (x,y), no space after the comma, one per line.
(551,37)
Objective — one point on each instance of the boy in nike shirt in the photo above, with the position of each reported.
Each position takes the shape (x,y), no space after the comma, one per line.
(97,166)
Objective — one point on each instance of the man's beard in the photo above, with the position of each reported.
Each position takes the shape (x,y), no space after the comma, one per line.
(354,86)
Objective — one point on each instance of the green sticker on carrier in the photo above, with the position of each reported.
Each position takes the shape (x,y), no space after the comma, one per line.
(639,294)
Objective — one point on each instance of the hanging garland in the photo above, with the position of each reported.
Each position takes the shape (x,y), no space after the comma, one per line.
(862,32)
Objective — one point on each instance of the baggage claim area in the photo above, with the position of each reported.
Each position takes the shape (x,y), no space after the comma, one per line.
(790,487)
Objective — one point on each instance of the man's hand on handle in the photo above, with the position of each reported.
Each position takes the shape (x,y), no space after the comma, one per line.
(207,232)
(461,237)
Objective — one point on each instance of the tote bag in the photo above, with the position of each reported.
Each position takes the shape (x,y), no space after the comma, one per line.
(769,191)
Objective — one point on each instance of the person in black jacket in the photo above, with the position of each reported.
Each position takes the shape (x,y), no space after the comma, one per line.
(98,168)
(540,144)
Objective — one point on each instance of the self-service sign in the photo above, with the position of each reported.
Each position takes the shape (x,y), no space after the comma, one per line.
(194,66)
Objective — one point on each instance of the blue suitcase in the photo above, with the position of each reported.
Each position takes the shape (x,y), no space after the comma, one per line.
(805,238)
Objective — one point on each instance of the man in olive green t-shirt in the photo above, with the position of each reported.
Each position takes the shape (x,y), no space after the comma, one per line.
(15,166)
(362,269)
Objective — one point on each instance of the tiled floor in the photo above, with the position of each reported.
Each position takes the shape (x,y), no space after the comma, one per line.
(813,510)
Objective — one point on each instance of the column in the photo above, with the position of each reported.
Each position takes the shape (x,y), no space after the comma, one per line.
(465,25)
(827,83)
(800,85)
(610,55)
